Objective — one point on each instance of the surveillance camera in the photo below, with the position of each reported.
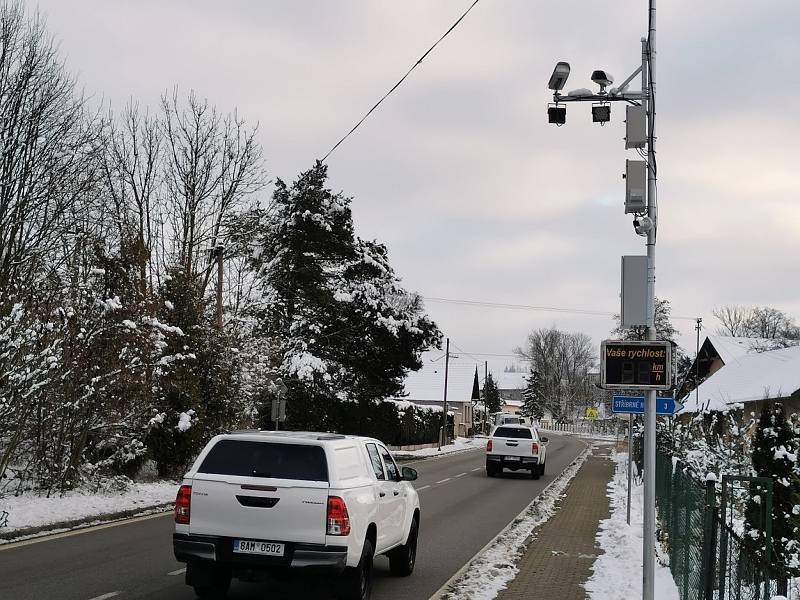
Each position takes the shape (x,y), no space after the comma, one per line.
(602,78)
(559,77)
(642,225)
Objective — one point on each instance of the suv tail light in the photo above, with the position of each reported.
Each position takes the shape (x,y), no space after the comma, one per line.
(489,446)
(535,448)
(183,505)
(338,519)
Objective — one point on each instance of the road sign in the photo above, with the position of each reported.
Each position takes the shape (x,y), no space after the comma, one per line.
(634,405)
(636,365)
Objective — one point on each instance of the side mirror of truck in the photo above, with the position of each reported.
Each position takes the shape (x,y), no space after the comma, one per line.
(409,474)
(545,440)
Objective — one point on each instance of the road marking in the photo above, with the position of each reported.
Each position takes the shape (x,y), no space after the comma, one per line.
(477,469)
(460,474)
(105,596)
(424,487)
(178,572)
(79,531)
(443,481)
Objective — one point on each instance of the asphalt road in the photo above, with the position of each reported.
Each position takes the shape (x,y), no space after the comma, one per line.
(462,510)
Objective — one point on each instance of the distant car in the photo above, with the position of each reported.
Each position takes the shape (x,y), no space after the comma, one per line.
(285,502)
(516,447)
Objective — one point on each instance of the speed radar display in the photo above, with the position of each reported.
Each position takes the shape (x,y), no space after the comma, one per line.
(636,365)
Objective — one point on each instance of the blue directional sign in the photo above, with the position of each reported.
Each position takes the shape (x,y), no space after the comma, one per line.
(635,405)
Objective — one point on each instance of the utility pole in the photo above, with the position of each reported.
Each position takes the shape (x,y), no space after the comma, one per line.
(649,529)
(485,405)
(220,251)
(697,364)
(443,437)
(640,205)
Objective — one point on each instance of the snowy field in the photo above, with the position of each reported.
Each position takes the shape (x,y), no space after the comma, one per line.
(617,573)
(495,566)
(28,511)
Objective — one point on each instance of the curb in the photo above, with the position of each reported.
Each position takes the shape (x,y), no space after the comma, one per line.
(442,592)
(27,533)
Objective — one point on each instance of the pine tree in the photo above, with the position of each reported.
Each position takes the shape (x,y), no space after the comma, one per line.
(773,456)
(491,395)
(533,404)
(345,327)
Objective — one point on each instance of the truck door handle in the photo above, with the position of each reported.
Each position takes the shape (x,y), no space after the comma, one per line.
(396,493)
(382,494)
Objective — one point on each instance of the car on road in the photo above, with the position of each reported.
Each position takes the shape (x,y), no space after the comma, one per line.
(516,447)
(260,503)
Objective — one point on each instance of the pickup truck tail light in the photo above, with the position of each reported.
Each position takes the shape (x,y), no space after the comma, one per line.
(535,448)
(338,519)
(489,446)
(183,505)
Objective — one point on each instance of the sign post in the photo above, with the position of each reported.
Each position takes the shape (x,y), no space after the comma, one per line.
(279,403)
(630,464)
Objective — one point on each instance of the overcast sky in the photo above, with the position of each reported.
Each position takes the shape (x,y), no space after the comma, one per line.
(476,196)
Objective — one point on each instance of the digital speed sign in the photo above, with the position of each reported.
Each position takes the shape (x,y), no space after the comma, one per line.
(636,365)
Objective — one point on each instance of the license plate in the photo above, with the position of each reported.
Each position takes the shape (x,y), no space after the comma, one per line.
(251,547)
(510,458)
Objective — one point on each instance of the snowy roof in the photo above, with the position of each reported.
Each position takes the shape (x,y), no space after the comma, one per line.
(511,381)
(748,377)
(731,349)
(513,402)
(427,384)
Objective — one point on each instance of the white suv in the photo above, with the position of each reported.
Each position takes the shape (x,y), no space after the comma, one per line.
(516,447)
(281,502)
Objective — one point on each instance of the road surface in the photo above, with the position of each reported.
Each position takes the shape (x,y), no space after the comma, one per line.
(462,510)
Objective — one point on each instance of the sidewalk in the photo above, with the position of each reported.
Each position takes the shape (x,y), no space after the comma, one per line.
(559,558)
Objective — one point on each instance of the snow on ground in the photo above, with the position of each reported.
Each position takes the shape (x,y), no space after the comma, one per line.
(459,445)
(28,511)
(495,566)
(617,573)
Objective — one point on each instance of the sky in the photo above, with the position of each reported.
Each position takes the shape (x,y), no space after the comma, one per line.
(476,196)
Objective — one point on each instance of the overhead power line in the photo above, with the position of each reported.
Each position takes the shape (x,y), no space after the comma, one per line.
(402,79)
(555,309)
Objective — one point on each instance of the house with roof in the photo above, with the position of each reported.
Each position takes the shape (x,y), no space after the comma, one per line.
(734,374)
(426,388)
(511,386)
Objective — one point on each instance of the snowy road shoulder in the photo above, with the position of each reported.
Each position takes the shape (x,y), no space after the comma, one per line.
(36,515)
(617,573)
(459,445)
(494,566)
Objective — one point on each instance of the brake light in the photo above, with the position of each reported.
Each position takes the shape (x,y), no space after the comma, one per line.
(183,505)
(338,519)
(535,448)
(489,446)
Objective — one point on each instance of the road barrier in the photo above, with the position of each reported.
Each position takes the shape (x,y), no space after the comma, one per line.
(603,428)
(708,555)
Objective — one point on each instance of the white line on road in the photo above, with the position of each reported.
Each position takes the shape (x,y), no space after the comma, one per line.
(443,481)
(105,596)
(460,474)
(424,487)
(477,468)
(178,572)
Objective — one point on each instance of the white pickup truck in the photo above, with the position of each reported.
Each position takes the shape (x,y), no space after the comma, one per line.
(516,447)
(257,503)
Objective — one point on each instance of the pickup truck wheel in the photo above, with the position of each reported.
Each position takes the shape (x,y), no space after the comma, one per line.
(216,589)
(357,581)
(402,559)
(541,469)
(491,470)
(535,472)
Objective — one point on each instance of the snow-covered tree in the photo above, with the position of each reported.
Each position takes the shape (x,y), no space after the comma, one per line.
(491,395)
(534,401)
(345,327)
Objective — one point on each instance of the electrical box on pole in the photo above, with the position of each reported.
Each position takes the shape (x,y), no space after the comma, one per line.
(635,127)
(635,186)
(633,292)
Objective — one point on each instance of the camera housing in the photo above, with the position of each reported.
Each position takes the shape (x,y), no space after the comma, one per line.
(559,77)
(603,79)
(642,225)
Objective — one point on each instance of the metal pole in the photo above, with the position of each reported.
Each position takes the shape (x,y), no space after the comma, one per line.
(697,366)
(630,463)
(220,251)
(649,529)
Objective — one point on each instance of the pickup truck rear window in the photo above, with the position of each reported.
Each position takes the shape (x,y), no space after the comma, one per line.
(513,432)
(265,459)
